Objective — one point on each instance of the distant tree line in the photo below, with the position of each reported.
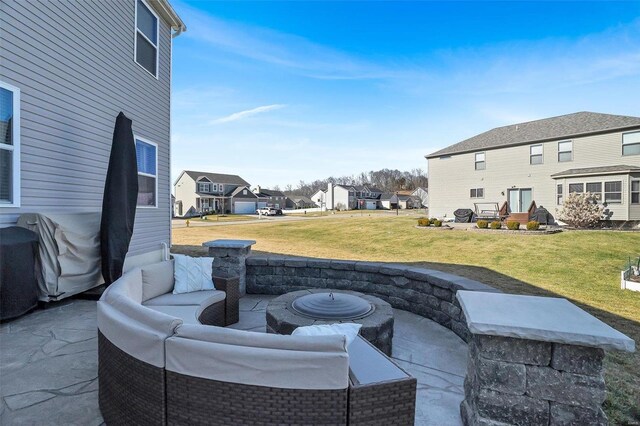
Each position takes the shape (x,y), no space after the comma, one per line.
(386,180)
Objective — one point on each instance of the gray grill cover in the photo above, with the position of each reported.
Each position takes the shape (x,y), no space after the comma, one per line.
(69,252)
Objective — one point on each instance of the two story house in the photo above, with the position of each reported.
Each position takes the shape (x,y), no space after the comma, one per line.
(274,198)
(66,70)
(204,192)
(348,197)
(542,161)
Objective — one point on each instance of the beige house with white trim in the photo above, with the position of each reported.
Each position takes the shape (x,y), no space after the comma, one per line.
(542,161)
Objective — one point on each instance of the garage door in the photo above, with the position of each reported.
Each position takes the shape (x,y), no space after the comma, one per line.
(371,205)
(262,204)
(244,207)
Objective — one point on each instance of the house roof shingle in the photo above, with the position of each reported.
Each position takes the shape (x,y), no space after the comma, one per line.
(564,126)
(621,168)
(217,177)
(271,193)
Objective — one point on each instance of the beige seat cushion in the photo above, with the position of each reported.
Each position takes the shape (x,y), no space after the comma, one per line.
(229,336)
(200,298)
(279,368)
(187,313)
(157,279)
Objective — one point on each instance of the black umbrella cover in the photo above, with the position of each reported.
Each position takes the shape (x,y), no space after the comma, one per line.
(119,200)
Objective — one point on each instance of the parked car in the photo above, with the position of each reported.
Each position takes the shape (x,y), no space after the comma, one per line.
(270,211)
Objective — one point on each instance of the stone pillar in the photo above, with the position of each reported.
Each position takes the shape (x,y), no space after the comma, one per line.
(229,258)
(528,368)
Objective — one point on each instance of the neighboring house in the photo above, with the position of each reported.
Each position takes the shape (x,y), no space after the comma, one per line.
(202,192)
(245,201)
(400,200)
(348,197)
(300,202)
(320,198)
(66,70)
(277,199)
(542,161)
(422,195)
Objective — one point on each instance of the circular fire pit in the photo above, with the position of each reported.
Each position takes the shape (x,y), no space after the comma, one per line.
(323,306)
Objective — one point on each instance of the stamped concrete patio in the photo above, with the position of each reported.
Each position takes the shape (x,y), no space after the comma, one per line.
(49,364)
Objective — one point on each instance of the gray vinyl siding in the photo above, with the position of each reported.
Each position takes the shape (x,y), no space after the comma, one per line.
(73,62)
(451,178)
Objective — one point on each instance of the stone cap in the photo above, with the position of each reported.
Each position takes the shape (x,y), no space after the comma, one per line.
(235,244)
(547,319)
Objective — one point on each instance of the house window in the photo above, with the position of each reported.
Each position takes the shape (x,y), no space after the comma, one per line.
(635,192)
(9,146)
(480,163)
(476,193)
(596,189)
(147,154)
(613,192)
(559,194)
(576,187)
(631,143)
(565,151)
(535,154)
(146,41)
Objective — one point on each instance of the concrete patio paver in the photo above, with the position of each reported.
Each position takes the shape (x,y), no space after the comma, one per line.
(49,358)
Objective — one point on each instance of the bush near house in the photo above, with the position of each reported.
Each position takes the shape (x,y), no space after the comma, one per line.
(437,223)
(512,225)
(482,224)
(533,225)
(433,220)
(496,224)
(581,210)
(423,221)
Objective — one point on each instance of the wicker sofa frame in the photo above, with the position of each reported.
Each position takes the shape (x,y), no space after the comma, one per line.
(133,392)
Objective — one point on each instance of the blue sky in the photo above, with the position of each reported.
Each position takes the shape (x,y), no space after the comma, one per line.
(279,92)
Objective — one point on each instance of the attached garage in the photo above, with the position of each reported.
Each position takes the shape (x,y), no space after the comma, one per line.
(370,204)
(262,204)
(244,207)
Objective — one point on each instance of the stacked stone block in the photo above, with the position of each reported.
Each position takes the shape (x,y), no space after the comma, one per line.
(513,381)
(425,292)
(229,259)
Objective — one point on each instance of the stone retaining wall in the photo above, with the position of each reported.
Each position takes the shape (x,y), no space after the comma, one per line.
(425,292)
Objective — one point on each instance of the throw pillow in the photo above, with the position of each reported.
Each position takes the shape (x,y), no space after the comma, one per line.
(347,329)
(192,274)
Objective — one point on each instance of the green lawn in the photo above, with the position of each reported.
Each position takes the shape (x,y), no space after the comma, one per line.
(581,266)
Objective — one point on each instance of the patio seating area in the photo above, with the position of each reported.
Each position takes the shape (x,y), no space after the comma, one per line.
(48,360)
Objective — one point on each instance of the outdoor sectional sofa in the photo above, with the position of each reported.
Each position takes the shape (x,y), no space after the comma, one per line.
(167,359)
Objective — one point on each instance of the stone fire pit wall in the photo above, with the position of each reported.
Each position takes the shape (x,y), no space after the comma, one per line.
(425,292)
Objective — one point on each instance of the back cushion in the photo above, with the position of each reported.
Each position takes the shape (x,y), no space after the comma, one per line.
(128,285)
(229,336)
(157,279)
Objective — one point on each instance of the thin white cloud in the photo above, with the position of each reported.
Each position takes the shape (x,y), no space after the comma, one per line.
(247,113)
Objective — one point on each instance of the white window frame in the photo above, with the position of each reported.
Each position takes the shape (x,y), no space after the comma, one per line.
(483,161)
(574,184)
(135,38)
(15,148)
(559,194)
(141,139)
(630,143)
(631,191)
(605,192)
(598,195)
(476,196)
(531,155)
(562,152)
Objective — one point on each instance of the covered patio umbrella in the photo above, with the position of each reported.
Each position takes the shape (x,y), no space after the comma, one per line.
(119,200)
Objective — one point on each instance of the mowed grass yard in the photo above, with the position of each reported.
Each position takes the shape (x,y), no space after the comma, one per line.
(582,266)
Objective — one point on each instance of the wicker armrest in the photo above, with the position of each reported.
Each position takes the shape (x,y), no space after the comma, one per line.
(231,286)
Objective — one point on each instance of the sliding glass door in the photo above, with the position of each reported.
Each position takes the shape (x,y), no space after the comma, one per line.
(520,199)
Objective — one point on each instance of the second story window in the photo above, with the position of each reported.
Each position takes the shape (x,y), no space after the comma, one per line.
(480,163)
(146,44)
(147,155)
(535,154)
(631,143)
(565,151)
